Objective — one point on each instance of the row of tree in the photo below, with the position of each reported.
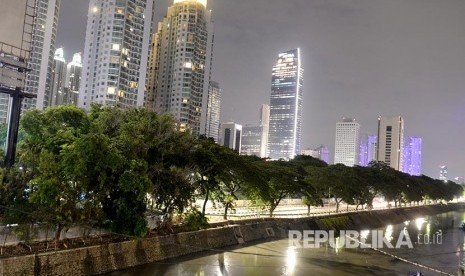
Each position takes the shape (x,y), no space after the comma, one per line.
(111,167)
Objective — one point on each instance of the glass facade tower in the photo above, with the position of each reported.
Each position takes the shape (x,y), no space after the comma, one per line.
(284,140)
(213,111)
(412,156)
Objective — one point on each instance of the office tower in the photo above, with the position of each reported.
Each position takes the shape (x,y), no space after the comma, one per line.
(368,150)
(180,65)
(213,111)
(347,142)
(251,141)
(390,141)
(443,173)
(231,134)
(116,53)
(265,125)
(412,156)
(255,138)
(39,79)
(58,80)
(321,153)
(73,80)
(284,139)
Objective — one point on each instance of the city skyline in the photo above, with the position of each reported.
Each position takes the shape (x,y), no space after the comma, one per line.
(353,61)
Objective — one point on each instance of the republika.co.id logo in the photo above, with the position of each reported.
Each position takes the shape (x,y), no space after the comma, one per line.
(377,239)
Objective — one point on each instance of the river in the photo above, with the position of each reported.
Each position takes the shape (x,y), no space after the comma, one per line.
(443,253)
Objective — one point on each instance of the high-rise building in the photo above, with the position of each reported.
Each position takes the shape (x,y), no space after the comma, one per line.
(265,125)
(44,33)
(251,141)
(180,64)
(231,134)
(412,156)
(321,153)
(255,138)
(57,91)
(368,150)
(390,141)
(443,173)
(347,145)
(213,111)
(284,139)
(73,80)
(116,53)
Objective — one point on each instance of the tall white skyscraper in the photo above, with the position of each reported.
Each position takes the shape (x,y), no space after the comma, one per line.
(180,64)
(347,142)
(391,141)
(116,53)
(231,135)
(284,139)
(44,33)
(265,126)
(73,80)
(213,111)
(57,91)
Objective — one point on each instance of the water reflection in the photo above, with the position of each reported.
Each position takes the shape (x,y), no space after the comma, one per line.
(291,261)
(277,258)
(388,234)
(419,223)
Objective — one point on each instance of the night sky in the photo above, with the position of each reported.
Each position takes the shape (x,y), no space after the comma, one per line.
(362,59)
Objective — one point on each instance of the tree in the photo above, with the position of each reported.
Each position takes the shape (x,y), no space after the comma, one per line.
(279,180)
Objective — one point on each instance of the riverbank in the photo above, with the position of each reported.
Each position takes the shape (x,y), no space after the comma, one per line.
(116,256)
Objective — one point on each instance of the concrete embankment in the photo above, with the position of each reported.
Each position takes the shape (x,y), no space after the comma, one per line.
(106,258)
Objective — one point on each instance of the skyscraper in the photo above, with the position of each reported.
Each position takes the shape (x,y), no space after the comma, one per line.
(39,79)
(57,91)
(73,80)
(116,53)
(265,126)
(251,141)
(390,141)
(347,142)
(412,156)
(284,139)
(368,150)
(213,111)
(255,138)
(231,134)
(180,64)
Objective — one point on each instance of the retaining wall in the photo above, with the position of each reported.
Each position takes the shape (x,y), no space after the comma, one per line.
(117,256)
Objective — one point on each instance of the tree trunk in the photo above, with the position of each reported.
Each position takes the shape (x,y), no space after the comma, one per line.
(226,207)
(337,206)
(272,208)
(58,232)
(205,202)
(308,210)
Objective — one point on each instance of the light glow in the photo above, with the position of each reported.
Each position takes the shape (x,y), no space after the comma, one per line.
(203,2)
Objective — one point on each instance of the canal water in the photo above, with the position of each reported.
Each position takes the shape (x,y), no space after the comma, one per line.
(437,243)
